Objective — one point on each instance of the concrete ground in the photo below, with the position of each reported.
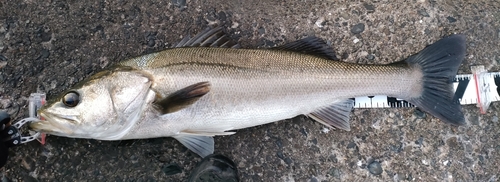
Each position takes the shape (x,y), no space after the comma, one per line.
(51,45)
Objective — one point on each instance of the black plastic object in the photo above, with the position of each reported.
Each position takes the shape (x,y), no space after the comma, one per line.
(4,154)
(172,169)
(214,167)
(4,149)
(4,118)
(11,136)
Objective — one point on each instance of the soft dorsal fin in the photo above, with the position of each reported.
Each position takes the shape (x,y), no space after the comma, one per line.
(183,97)
(210,37)
(310,45)
(335,115)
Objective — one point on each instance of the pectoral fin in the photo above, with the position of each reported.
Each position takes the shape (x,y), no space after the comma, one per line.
(183,98)
(201,145)
(336,115)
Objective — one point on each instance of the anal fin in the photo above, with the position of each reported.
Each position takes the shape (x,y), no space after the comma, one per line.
(335,115)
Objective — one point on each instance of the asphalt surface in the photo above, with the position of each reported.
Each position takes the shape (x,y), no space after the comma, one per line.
(51,45)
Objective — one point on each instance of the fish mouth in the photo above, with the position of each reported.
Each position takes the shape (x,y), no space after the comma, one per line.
(50,125)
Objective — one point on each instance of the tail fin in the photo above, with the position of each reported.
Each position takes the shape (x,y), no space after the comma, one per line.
(439,63)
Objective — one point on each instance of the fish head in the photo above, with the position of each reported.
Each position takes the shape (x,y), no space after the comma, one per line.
(103,107)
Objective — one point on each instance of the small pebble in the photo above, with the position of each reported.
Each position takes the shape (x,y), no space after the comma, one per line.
(325,130)
(363,54)
(351,145)
(320,22)
(423,13)
(358,28)
(303,131)
(279,143)
(369,7)
(262,30)
(370,57)
(334,172)
(446,163)
(345,55)
(494,119)
(419,114)
(3,29)
(419,141)
(313,179)
(235,25)
(46,36)
(3,64)
(5,103)
(179,3)
(425,162)
(151,42)
(280,155)
(44,54)
(375,168)
(314,141)
(452,142)
(427,31)
(451,19)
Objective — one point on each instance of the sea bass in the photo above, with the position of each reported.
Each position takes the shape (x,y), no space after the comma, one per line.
(203,88)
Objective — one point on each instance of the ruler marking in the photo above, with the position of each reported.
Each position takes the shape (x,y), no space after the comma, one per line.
(466,87)
(460,90)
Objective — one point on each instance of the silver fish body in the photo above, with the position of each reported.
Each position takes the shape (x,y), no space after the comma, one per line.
(254,87)
(194,93)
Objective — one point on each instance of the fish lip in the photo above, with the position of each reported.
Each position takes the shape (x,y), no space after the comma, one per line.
(49,125)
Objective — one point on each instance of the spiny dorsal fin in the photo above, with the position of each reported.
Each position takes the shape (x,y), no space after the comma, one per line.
(209,38)
(335,115)
(183,97)
(310,45)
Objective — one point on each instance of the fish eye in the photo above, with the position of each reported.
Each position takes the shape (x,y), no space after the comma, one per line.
(71,99)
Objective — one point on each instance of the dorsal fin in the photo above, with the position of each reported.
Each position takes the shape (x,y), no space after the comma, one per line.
(210,37)
(310,45)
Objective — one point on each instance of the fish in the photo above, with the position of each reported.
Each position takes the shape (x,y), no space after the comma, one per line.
(207,86)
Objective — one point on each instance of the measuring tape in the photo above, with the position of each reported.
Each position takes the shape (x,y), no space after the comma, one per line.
(479,88)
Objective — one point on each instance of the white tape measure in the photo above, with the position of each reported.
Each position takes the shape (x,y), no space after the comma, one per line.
(479,88)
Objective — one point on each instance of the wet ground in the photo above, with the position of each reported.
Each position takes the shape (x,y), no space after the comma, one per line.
(51,45)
